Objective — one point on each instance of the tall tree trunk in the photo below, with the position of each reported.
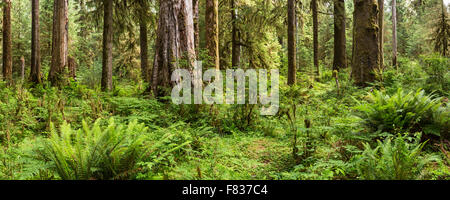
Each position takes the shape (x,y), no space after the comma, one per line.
(72,65)
(367,55)
(381,32)
(107,45)
(22,68)
(144,48)
(175,39)
(340,41)
(66,32)
(316,35)
(394,34)
(195,10)
(353,39)
(236,47)
(292,51)
(58,61)
(212,31)
(445,29)
(35,72)
(7,42)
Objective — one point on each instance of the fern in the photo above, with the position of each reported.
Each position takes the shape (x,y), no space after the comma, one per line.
(401,112)
(394,159)
(93,153)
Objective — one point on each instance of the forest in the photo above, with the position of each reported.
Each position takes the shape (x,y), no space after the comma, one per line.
(360,88)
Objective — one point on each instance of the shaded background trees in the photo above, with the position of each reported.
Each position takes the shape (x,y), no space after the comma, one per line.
(251,34)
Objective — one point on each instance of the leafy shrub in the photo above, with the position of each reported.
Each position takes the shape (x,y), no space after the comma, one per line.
(401,112)
(394,159)
(93,153)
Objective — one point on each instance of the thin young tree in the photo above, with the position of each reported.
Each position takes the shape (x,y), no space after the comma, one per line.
(7,42)
(35,72)
(107,59)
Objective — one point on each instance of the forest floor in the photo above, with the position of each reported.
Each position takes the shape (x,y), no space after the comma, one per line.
(214,143)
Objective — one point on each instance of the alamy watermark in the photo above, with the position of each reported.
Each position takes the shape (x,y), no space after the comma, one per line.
(191,84)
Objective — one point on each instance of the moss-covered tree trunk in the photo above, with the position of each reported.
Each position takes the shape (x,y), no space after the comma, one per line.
(381,32)
(58,61)
(442,32)
(7,42)
(340,41)
(66,32)
(445,29)
(72,66)
(236,46)
(175,40)
(22,68)
(144,46)
(107,45)
(292,51)
(35,72)
(212,31)
(394,33)
(196,14)
(367,51)
(315,35)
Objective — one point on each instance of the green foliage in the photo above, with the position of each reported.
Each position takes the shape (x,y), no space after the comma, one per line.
(95,153)
(437,68)
(396,158)
(321,170)
(401,112)
(316,122)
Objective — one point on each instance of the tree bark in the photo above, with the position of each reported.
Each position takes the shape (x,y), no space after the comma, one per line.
(175,40)
(58,61)
(7,42)
(107,61)
(212,32)
(195,10)
(340,41)
(367,55)
(381,32)
(236,47)
(22,68)
(66,32)
(35,72)
(394,34)
(144,48)
(292,51)
(353,39)
(315,36)
(444,29)
(72,68)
